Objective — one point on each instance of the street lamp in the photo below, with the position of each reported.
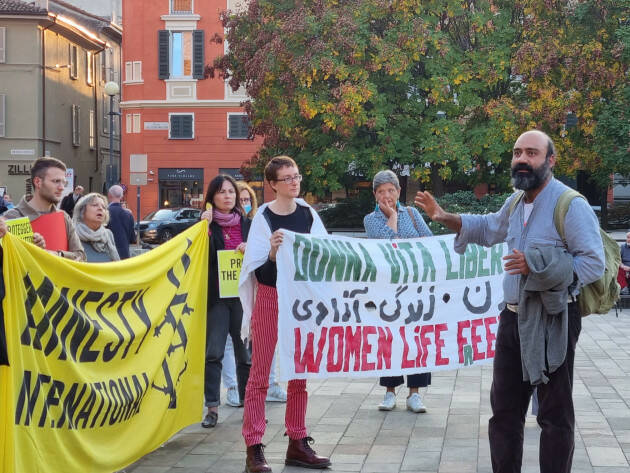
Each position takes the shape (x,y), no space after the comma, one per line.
(111,89)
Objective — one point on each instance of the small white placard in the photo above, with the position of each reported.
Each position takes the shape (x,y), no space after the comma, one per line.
(22,152)
(156,125)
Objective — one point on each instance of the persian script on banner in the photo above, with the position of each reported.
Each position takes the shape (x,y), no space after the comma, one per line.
(106,360)
(365,308)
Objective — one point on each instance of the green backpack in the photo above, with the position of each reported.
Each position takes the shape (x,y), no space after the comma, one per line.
(600,296)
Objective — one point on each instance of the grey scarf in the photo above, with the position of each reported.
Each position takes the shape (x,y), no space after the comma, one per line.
(102,240)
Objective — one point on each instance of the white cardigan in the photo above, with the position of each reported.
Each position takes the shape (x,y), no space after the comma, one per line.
(257,252)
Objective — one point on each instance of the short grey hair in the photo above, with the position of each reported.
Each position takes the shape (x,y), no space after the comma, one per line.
(116,191)
(385,177)
(82,203)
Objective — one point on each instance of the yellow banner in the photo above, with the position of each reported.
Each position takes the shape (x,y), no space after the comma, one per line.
(21,228)
(230,262)
(107,360)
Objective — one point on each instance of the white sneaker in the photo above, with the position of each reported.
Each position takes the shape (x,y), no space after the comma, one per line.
(232,398)
(389,402)
(414,403)
(276,393)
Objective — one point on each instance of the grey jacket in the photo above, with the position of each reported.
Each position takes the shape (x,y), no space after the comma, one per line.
(542,311)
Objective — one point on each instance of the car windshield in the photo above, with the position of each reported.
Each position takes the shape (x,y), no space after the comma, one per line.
(162,214)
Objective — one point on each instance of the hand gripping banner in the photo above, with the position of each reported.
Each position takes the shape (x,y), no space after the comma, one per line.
(106,360)
(365,308)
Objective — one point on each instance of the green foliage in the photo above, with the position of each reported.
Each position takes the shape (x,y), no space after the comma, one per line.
(349,212)
(465,202)
(443,86)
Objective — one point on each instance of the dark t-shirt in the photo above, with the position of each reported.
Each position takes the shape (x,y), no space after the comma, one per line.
(299,221)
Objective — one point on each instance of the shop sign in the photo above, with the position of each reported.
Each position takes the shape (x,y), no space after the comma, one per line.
(19,169)
(180,174)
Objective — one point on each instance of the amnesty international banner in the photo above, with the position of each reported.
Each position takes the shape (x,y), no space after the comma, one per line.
(106,359)
(365,308)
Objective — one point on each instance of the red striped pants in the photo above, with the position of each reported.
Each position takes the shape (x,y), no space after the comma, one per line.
(264,332)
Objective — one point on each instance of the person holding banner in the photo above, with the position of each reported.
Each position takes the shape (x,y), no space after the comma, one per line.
(48,176)
(257,289)
(90,216)
(391,220)
(228,230)
(526,224)
(247,197)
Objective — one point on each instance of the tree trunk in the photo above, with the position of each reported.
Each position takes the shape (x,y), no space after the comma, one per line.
(437,185)
(604,209)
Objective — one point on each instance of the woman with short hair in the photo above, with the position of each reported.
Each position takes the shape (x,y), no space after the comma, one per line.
(257,289)
(90,216)
(391,220)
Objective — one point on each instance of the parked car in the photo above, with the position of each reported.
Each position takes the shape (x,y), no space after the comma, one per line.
(164,224)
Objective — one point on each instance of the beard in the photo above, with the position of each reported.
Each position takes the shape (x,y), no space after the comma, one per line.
(533,178)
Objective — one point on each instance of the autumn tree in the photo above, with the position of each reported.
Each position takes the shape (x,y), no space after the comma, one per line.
(349,87)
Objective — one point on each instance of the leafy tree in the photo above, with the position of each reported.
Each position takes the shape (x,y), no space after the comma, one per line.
(350,87)
(362,84)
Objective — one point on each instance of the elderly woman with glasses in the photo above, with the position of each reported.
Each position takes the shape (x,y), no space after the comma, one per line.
(90,216)
(391,220)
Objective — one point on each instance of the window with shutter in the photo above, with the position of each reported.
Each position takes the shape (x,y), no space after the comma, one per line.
(89,68)
(164,40)
(129,123)
(198,54)
(74,61)
(180,7)
(128,71)
(3,114)
(3,42)
(136,123)
(137,71)
(105,109)
(239,126)
(76,136)
(92,130)
(181,126)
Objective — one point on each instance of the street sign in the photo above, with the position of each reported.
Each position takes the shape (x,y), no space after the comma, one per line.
(156,125)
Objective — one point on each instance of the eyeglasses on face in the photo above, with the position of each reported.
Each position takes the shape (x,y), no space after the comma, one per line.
(245,200)
(290,179)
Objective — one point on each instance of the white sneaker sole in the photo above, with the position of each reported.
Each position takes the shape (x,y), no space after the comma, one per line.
(386,408)
(422,410)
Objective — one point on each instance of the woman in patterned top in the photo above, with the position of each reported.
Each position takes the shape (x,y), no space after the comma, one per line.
(391,220)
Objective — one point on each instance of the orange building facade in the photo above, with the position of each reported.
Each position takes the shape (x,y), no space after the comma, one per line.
(179,128)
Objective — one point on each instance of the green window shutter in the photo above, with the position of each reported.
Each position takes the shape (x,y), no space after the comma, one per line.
(239,127)
(164,42)
(181,126)
(198,54)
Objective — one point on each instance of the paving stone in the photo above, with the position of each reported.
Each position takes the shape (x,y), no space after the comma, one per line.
(452,437)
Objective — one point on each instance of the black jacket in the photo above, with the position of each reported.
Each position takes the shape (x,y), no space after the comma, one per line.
(68,203)
(217,243)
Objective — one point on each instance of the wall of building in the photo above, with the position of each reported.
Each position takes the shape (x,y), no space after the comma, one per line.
(20,83)
(148,102)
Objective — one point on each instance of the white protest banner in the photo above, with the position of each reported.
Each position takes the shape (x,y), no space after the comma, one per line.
(366,308)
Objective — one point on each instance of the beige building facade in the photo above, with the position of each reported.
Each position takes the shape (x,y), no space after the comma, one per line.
(54,62)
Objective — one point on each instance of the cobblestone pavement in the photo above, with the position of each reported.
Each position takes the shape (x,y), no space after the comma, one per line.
(451,437)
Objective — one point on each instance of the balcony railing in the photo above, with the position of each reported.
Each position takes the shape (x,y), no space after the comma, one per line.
(181,7)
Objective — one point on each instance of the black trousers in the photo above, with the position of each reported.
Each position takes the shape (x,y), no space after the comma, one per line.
(421,380)
(224,318)
(510,395)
